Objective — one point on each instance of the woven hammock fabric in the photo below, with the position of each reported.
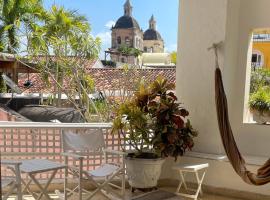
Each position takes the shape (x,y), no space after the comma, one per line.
(263,175)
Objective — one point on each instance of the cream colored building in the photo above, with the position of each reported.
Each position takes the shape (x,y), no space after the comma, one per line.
(156,60)
(152,40)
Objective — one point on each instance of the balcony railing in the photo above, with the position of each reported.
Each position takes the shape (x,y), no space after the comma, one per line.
(19,141)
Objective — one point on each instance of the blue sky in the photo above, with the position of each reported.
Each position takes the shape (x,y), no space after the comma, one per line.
(102,13)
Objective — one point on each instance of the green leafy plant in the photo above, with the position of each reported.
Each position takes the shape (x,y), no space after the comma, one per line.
(130,51)
(260,100)
(259,78)
(108,63)
(153,121)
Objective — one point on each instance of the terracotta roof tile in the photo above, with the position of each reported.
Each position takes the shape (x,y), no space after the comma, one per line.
(105,79)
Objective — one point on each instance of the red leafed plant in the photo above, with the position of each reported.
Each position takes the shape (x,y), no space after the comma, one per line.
(153,121)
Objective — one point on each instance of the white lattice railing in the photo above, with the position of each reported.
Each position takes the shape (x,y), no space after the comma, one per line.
(19,141)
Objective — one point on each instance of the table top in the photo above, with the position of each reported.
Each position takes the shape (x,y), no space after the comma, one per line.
(187,167)
(39,166)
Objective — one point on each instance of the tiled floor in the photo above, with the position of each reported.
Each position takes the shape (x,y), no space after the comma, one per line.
(102,197)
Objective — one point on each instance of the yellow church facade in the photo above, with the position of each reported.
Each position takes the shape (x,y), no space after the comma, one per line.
(261,51)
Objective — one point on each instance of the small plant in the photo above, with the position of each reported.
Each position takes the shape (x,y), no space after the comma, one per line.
(153,121)
(260,100)
(108,63)
(259,78)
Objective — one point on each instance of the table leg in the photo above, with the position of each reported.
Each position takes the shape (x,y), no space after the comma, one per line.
(43,190)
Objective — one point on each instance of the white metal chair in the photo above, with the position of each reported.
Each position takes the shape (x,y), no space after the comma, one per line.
(12,183)
(79,144)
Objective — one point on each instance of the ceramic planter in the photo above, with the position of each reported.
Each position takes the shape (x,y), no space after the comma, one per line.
(143,173)
(261,117)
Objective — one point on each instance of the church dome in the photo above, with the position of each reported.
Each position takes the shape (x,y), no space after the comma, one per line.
(126,22)
(151,34)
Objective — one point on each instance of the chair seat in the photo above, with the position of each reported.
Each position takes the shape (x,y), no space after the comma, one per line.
(6,181)
(104,170)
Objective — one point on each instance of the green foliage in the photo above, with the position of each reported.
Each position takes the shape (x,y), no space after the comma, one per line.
(130,51)
(260,90)
(153,118)
(3,87)
(259,78)
(260,100)
(14,14)
(61,47)
(108,63)
(174,57)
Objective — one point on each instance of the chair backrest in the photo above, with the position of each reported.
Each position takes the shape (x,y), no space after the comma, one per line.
(83,140)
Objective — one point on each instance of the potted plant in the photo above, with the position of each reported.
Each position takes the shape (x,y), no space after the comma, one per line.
(154,126)
(259,104)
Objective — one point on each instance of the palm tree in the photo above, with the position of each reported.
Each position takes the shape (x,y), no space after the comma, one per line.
(13,14)
(64,33)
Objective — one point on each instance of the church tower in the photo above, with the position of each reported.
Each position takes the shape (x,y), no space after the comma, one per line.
(152,23)
(152,40)
(128,8)
(126,33)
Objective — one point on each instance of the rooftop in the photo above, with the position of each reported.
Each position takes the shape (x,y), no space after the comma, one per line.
(105,79)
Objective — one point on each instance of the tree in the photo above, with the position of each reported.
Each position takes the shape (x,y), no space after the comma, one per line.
(62,47)
(174,57)
(15,14)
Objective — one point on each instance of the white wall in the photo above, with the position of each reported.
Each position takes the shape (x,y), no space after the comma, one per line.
(200,24)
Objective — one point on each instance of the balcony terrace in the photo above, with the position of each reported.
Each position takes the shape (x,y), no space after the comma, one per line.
(201,23)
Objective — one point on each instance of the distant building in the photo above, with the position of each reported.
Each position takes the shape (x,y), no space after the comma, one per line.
(128,33)
(152,40)
(261,51)
(156,60)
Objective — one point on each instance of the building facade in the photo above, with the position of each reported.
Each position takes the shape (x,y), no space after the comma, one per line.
(152,40)
(261,51)
(127,33)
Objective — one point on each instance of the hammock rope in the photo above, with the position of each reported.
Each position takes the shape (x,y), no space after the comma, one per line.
(237,161)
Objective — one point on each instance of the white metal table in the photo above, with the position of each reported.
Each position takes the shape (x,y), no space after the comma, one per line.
(183,170)
(37,166)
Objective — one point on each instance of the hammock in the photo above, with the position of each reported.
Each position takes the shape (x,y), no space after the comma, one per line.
(263,174)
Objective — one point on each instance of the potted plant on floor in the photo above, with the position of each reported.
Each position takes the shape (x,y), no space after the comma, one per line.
(154,125)
(259,105)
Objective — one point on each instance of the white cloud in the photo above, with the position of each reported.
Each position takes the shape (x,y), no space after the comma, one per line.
(105,37)
(109,24)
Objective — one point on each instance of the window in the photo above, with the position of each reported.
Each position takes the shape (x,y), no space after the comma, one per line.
(256,59)
(145,49)
(258,78)
(123,60)
(127,40)
(119,40)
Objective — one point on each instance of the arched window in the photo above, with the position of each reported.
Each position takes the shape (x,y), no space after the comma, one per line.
(119,40)
(257,59)
(145,49)
(123,60)
(127,41)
